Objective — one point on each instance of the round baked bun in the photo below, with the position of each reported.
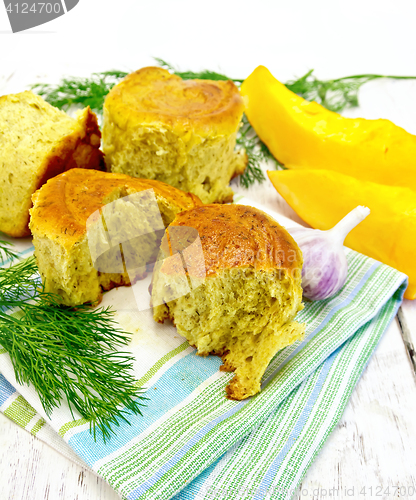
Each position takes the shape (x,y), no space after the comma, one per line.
(37,142)
(93,231)
(244,279)
(182,132)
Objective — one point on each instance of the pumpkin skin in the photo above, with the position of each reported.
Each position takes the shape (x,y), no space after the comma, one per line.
(305,135)
(322,198)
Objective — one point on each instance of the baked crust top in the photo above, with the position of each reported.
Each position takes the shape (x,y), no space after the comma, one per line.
(232,236)
(37,142)
(62,206)
(153,94)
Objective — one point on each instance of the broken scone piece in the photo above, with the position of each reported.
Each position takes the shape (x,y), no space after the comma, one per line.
(94,231)
(37,142)
(229,278)
(182,132)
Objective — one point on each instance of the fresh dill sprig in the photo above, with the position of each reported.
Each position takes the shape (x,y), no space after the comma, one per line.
(335,95)
(17,283)
(338,94)
(66,353)
(82,92)
(191,75)
(248,140)
(6,253)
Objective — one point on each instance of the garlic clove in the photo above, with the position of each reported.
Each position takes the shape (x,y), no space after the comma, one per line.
(325,266)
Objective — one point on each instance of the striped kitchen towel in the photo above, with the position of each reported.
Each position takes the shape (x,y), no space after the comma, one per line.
(192,442)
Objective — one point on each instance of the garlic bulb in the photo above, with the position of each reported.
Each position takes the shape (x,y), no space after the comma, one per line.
(325,266)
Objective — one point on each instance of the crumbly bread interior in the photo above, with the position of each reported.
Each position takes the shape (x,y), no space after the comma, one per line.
(35,141)
(181,132)
(203,167)
(72,273)
(241,314)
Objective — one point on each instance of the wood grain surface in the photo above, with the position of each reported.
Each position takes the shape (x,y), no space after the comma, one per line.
(370,454)
(373,448)
(371,451)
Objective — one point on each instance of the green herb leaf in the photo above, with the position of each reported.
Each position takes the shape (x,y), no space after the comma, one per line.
(191,75)
(81,92)
(335,95)
(66,352)
(6,253)
(248,140)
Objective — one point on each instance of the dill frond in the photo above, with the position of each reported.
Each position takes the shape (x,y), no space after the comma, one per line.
(81,92)
(66,353)
(6,253)
(248,140)
(335,95)
(338,94)
(191,75)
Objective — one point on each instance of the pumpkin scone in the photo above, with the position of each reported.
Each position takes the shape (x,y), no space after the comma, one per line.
(244,288)
(37,142)
(93,231)
(182,132)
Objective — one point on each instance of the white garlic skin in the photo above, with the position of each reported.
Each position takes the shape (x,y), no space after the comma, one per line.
(325,265)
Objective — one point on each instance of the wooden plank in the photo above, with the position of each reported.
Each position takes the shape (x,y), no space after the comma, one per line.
(407,319)
(32,470)
(373,445)
(373,448)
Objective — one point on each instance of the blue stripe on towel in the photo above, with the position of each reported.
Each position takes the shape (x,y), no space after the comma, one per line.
(180,454)
(300,424)
(175,385)
(328,317)
(6,390)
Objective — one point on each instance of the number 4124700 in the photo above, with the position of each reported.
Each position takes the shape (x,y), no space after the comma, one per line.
(34,8)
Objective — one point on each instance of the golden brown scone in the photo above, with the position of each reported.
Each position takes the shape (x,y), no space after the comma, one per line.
(244,289)
(37,142)
(182,132)
(58,223)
